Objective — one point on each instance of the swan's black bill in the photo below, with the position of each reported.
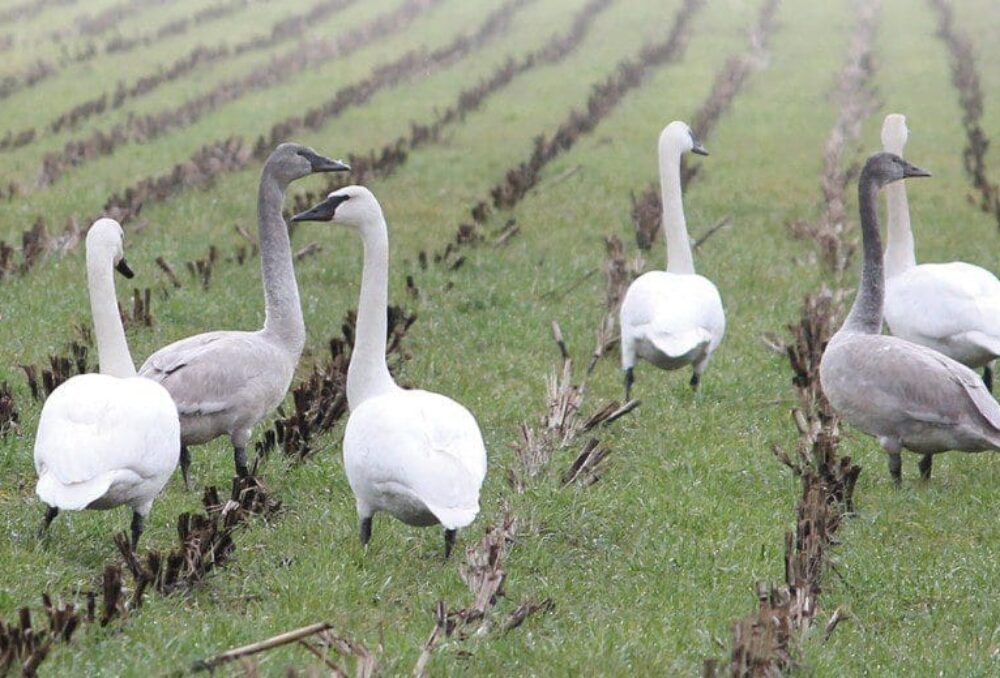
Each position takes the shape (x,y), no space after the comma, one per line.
(323,211)
(320,163)
(122,267)
(697,147)
(914,171)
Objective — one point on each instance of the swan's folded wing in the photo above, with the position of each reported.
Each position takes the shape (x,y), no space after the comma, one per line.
(209,373)
(938,301)
(101,424)
(922,384)
(425,442)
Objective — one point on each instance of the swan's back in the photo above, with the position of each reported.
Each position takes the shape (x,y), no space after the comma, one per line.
(889,387)
(96,431)
(671,319)
(420,443)
(953,308)
(235,378)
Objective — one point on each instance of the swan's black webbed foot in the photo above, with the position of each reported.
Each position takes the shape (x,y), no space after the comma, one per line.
(629,380)
(695,380)
(926,462)
(449,542)
(365,533)
(50,514)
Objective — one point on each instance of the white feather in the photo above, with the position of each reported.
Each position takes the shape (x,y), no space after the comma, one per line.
(104,442)
(410,453)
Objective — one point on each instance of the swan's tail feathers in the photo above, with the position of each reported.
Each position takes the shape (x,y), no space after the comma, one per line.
(988,344)
(454,517)
(683,346)
(71,496)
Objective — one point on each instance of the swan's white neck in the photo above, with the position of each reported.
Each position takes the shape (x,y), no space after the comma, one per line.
(679,258)
(283,318)
(368,374)
(112,348)
(899,249)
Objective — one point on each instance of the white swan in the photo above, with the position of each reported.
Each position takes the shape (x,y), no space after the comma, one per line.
(416,455)
(904,394)
(108,439)
(953,308)
(224,383)
(672,318)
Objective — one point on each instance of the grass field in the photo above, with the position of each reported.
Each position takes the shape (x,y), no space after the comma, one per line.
(648,567)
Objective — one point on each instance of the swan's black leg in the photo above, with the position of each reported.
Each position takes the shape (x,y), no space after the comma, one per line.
(695,380)
(240,457)
(925,466)
(366,530)
(185,465)
(896,468)
(629,380)
(50,514)
(137,526)
(449,542)
(988,377)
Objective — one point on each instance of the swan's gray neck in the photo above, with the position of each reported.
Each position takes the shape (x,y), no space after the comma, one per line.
(679,257)
(899,249)
(368,374)
(283,318)
(866,313)
(112,349)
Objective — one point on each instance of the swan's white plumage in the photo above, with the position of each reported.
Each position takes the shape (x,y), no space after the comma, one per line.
(671,320)
(416,455)
(675,317)
(104,442)
(953,308)
(109,439)
(410,449)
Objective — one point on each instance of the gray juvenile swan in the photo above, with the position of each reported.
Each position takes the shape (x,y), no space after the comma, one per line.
(906,395)
(225,382)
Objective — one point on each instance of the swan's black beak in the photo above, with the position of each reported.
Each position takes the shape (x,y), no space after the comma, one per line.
(696,147)
(914,171)
(122,267)
(321,163)
(323,211)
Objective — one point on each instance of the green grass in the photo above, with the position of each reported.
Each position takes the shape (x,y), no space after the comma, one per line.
(648,567)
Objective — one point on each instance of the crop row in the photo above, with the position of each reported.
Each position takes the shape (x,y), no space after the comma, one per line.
(857,99)
(43,69)
(965,77)
(281,31)
(763,642)
(138,130)
(29,9)
(141,129)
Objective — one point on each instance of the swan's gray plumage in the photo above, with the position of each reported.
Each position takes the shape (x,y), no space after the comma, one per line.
(223,383)
(906,395)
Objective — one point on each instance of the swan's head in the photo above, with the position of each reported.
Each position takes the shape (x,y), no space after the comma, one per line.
(885,168)
(289,162)
(106,242)
(353,206)
(894,133)
(677,136)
